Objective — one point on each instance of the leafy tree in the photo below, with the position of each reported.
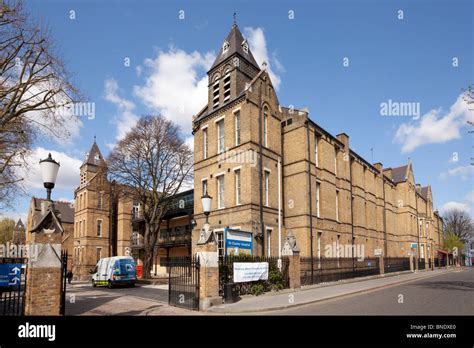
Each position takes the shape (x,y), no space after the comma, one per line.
(459,223)
(34,86)
(6,230)
(153,163)
(451,241)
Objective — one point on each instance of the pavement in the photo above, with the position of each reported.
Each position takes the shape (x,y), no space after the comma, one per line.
(288,299)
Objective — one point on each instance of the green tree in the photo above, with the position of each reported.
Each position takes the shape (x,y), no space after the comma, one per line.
(6,230)
(451,241)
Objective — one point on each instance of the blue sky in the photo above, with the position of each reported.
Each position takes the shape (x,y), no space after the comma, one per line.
(403,60)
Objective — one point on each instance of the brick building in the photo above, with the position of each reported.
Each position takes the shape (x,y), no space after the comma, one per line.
(329,193)
(108,221)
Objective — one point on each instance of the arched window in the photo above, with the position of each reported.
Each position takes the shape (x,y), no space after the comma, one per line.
(227,85)
(215,91)
(265,126)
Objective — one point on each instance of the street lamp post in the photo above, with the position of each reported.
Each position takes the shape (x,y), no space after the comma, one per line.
(206,206)
(49,172)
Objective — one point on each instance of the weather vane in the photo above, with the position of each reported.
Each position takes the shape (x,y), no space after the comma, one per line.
(235,18)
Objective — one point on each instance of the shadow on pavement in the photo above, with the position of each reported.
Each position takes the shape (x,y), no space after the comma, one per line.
(448,285)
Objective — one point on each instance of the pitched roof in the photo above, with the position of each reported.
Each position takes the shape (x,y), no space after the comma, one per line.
(19,226)
(424,192)
(94,157)
(235,39)
(399,174)
(65,208)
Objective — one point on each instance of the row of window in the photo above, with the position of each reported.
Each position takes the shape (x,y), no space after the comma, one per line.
(220,189)
(80,228)
(80,253)
(220,125)
(81,200)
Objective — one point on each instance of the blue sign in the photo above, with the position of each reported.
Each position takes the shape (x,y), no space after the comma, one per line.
(10,274)
(236,240)
(414,245)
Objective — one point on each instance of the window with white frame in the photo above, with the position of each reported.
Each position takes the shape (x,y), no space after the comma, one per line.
(237,127)
(204,187)
(316,149)
(269,242)
(220,136)
(204,143)
(318,251)
(265,126)
(220,192)
(98,254)
(318,196)
(99,228)
(337,205)
(266,187)
(237,186)
(422,251)
(99,199)
(220,243)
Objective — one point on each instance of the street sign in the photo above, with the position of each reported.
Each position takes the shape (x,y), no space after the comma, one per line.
(10,274)
(413,245)
(237,241)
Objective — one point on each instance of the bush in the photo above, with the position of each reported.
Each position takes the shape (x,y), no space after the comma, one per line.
(257,288)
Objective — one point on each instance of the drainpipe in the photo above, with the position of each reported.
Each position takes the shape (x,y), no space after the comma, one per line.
(417,231)
(310,201)
(352,210)
(260,167)
(384,215)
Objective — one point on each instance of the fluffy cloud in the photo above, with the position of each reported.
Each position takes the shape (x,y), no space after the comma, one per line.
(464,172)
(454,206)
(173,87)
(258,46)
(434,127)
(126,118)
(68,175)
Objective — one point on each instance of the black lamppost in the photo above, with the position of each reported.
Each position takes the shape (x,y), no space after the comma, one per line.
(49,171)
(206,201)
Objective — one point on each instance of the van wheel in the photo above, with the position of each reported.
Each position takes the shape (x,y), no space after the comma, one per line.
(93,283)
(110,285)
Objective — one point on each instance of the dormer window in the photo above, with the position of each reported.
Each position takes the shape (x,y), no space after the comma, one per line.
(225,47)
(245,46)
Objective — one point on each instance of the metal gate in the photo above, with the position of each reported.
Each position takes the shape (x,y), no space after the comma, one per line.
(184,282)
(62,308)
(12,285)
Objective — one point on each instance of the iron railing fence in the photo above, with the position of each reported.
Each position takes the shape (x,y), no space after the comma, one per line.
(183,280)
(323,270)
(396,264)
(276,279)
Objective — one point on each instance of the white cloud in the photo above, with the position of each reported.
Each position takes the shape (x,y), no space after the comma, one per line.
(470,198)
(68,175)
(454,206)
(434,127)
(14,215)
(465,172)
(258,46)
(173,87)
(126,118)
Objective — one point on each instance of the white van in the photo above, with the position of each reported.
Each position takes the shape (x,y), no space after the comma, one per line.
(117,270)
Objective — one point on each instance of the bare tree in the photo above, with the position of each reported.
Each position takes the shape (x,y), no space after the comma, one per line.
(153,162)
(34,86)
(458,223)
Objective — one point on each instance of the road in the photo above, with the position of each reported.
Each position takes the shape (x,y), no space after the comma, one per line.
(446,294)
(83,299)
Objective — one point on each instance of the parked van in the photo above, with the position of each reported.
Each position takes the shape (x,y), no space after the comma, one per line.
(117,270)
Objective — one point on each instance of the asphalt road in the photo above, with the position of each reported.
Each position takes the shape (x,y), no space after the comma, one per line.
(447,294)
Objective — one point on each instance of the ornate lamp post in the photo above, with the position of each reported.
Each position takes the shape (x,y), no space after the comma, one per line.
(206,231)
(49,171)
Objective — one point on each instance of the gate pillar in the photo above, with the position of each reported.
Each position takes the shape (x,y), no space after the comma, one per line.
(206,251)
(43,285)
